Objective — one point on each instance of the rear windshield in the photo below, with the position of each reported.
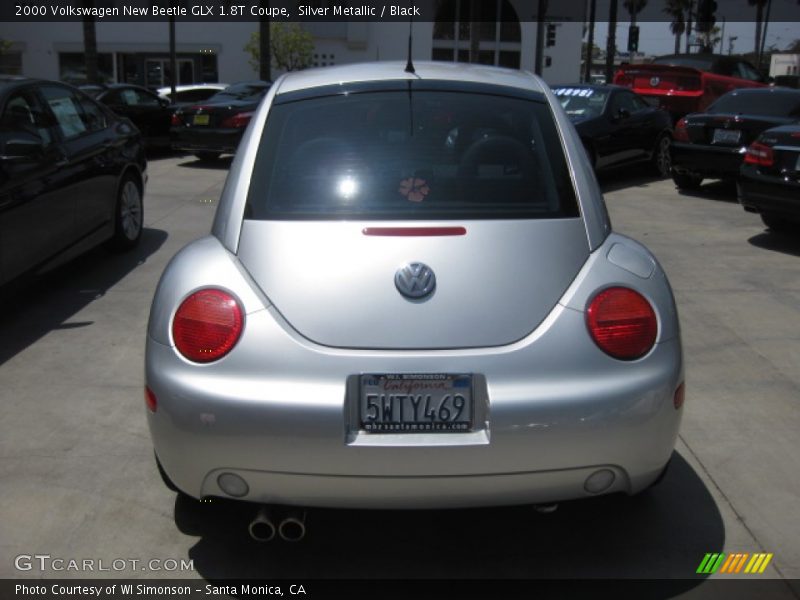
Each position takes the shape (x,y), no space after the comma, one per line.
(581,101)
(769,103)
(242,91)
(410,155)
(696,62)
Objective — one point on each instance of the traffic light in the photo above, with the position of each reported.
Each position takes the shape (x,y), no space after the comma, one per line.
(633,38)
(551,35)
(706,18)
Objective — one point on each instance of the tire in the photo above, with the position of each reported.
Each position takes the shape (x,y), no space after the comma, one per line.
(662,159)
(128,215)
(778,224)
(207,156)
(687,181)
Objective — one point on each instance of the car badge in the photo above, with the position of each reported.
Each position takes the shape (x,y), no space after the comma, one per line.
(654,81)
(415,280)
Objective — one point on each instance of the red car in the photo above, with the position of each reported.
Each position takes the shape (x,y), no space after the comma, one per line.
(686,83)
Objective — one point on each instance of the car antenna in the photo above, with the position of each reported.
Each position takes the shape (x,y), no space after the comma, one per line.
(410,64)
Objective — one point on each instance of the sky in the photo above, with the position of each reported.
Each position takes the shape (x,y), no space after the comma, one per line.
(656,38)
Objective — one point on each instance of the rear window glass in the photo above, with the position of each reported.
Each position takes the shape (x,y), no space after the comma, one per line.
(241,91)
(695,62)
(581,101)
(411,155)
(769,103)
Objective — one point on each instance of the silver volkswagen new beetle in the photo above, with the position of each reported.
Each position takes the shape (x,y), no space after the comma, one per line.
(411,297)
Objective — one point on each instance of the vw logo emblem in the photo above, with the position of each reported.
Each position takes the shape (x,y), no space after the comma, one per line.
(654,81)
(415,280)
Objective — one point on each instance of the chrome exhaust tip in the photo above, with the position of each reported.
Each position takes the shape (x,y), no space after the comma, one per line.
(261,528)
(293,527)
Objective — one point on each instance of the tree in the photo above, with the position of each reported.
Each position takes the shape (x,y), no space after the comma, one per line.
(290,45)
(634,7)
(264,62)
(677,9)
(759,4)
(90,44)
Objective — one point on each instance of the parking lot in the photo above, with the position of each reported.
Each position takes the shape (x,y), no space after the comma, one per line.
(79,480)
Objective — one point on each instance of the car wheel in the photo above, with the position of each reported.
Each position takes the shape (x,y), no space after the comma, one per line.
(776,223)
(686,181)
(207,156)
(662,160)
(129,215)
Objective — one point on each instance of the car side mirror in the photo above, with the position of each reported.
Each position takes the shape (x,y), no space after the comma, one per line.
(20,145)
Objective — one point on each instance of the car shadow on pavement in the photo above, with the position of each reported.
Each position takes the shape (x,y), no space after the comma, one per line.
(663,533)
(33,305)
(619,179)
(721,191)
(787,243)
(222,164)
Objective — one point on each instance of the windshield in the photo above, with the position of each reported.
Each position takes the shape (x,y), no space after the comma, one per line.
(403,155)
(769,103)
(581,101)
(241,91)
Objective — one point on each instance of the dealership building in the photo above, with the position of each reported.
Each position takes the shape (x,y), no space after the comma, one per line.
(138,52)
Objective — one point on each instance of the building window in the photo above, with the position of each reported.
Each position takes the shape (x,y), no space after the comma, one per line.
(323,60)
(497,37)
(72,67)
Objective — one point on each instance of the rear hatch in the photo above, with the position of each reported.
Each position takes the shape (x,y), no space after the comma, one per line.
(349,188)
(735,130)
(211,115)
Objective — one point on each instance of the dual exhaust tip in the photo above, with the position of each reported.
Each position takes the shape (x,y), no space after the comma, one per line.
(291,528)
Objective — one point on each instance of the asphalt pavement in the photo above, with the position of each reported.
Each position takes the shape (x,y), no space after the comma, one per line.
(78,481)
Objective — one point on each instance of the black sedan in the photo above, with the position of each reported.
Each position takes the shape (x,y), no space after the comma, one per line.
(617,126)
(151,113)
(713,144)
(769,179)
(216,126)
(72,175)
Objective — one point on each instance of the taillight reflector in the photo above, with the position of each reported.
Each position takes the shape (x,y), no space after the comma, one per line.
(680,396)
(759,154)
(238,120)
(681,133)
(207,325)
(622,323)
(150,399)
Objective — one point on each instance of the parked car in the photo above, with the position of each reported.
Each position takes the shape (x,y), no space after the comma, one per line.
(617,127)
(191,93)
(72,175)
(769,180)
(216,126)
(712,144)
(151,113)
(687,83)
(411,298)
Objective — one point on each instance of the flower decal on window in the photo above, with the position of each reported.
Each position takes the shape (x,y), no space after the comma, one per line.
(414,188)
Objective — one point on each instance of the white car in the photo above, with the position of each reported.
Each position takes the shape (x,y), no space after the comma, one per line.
(188,94)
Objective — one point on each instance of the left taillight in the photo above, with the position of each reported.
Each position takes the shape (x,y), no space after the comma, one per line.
(176,121)
(237,120)
(622,323)
(207,325)
(681,133)
(759,154)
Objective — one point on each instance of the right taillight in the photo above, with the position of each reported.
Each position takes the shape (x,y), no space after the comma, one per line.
(622,323)
(759,154)
(681,133)
(207,325)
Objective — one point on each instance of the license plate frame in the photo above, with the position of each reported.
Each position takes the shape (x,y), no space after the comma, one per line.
(415,403)
(200,120)
(726,136)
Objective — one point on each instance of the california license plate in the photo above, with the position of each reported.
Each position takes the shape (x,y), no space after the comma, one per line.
(415,403)
(726,136)
(200,120)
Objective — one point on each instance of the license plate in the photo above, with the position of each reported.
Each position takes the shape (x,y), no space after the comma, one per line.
(200,120)
(415,403)
(726,136)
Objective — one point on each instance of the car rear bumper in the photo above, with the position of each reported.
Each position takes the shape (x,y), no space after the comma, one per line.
(206,139)
(706,160)
(769,194)
(555,414)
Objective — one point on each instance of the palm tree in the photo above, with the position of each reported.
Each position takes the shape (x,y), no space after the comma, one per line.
(759,4)
(677,9)
(264,56)
(611,40)
(90,44)
(634,7)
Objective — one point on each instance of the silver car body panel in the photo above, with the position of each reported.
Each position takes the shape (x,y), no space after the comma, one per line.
(550,408)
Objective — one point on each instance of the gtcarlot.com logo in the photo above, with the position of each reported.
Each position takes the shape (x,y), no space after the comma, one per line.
(735,562)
